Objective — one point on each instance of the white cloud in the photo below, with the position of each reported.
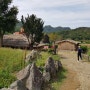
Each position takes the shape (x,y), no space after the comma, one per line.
(33,4)
(56,12)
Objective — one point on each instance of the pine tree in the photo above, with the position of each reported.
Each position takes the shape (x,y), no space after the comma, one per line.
(33,28)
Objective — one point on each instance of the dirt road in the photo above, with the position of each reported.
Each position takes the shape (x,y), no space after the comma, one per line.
(78,77)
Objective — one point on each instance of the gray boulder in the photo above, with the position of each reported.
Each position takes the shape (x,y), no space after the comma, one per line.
(35,80)
(46,76)
(32,56)
(28,58)
(50,67)
(18,85)
(58,65)
(24,74)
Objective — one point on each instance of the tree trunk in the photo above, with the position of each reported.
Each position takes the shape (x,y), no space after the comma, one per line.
(1,40)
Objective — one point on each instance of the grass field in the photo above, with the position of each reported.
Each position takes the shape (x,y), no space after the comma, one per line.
(12,60)
(88,45)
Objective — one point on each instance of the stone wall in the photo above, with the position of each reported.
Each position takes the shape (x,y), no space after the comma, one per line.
(31,78)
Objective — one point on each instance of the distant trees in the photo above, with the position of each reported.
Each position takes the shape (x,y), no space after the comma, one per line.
(54,36)
(8,18)
(45,39)
(33,28)
(82,33)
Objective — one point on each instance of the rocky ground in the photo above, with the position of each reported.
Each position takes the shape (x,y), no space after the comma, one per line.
(78,77)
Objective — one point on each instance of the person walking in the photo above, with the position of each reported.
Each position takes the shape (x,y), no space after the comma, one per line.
(79,54)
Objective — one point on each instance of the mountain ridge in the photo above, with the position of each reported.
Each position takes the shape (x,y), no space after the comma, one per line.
(49,28)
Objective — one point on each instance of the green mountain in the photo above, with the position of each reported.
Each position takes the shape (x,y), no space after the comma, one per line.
(49,29)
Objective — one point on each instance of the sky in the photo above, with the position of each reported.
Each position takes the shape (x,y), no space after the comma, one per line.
(64,13)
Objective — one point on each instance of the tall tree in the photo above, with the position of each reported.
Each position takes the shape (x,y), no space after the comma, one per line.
(7,18)
(33,28)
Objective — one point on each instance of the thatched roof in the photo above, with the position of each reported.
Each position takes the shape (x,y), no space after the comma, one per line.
(15,40)
(43,44)
(71,41)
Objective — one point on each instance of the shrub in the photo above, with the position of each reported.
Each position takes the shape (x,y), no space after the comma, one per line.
(50,50)
(84,49)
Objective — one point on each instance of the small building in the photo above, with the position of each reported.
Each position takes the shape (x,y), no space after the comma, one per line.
(15,41)
(43,46)
(68,45)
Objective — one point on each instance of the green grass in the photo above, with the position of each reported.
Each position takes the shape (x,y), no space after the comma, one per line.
(11,61)
(41,61)
(61,75)
(57,81)
(88,51)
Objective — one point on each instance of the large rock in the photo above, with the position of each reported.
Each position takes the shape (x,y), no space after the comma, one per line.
(32,56)
(58,65)
(28,58)
(18,85)
(50,67)
(35,80)
(46,76)
(24,74)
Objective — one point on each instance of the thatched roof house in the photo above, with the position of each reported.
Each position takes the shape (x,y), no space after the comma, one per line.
(43,46)
(68,45)
(17,41)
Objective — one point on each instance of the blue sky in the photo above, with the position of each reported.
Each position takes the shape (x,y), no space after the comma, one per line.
(65,13)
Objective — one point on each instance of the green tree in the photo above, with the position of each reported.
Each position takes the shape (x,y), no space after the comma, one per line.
(7,18)
(54,36)
(45,39)
(33,28)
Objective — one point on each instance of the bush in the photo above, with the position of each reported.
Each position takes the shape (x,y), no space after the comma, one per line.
(84,49)
(50,50)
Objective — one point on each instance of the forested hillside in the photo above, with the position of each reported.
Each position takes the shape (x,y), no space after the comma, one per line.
(82,33)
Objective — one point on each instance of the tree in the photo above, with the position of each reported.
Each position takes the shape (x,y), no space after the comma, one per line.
(53,36)
(33,28)
(7,18)
(45,39)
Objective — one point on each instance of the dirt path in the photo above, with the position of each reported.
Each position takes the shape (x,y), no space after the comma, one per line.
(78,77)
